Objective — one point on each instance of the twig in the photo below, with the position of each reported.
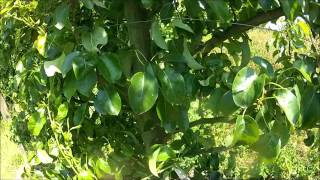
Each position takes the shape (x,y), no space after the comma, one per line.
(238,28)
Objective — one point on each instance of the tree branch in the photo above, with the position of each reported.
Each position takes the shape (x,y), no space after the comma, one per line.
(238,28)
(212,121)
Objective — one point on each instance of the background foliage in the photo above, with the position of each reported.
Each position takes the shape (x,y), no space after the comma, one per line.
(105,89)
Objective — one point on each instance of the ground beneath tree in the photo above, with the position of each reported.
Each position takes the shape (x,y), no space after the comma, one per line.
(12,155)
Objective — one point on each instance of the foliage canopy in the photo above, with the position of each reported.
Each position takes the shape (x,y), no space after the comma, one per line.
(102,88)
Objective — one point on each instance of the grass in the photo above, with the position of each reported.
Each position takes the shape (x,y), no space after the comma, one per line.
(296,161)
(259,39)
(11,155)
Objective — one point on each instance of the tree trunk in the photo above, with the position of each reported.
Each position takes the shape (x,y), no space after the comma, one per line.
(138,31)
(4,108)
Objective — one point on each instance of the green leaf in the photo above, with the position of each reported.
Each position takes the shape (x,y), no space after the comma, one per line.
(314,12)
(221,10)
(83,85)
(79,114)
(246,53)
(166,11)
(109,67)
(264,65)
(281,128)
(160,153)
(91,40)
(44,157)
(143,91)
(171,116)
(188,59)
(55,66)
(310,108)
(70,86)
(62,64)
(102,165)
(19,67)
(247,87)
(182,118)
(192,85)
(227,105)
(306,67)
(268,146)
(86,175)
(40,44)
(266,4)
(88,4)
(165,153)
(156,36)
(306,29)
(108,101)
(181,173)
(36,122)
(290,8)
(213,103)
(297,93)
(153,162)
(209,81)
(80,67)
(53,150)
(227,78)
(178,23)
(246,130)
(221,102)
(166,114)
(147,3)
(86,84)
(67,64)
(193,8)
(61,16)
(218,61)
(62,112)
(289,104)
(173,86)
(99,3)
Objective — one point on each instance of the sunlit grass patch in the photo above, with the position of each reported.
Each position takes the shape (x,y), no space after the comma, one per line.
(11,154)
